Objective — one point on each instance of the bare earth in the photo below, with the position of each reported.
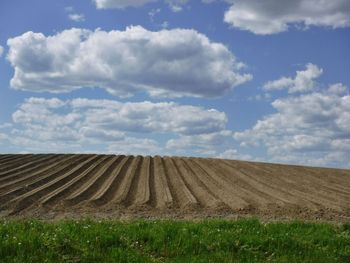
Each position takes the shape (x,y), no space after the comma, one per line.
(53,186)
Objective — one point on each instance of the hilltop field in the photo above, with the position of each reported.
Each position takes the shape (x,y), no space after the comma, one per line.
(56,186)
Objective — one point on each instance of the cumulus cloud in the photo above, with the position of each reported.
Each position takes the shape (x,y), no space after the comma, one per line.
(304,80)
(169,63)
(150,117)
(135,146)
(275,16)
(1,50)
(205,143)
(77,17)
(338,88)
(233,154)
(312,128)
(79,124)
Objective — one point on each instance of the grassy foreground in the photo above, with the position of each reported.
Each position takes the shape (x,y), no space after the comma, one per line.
(172,241)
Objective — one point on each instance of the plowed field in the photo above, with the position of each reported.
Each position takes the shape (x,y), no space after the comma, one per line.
(56,186)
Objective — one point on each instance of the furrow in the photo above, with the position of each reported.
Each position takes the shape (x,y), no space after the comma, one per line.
(239,187)
(163,195)
(201,192)
(325,190)
(104,185)
(177,186)
(274,186)
(20,175)
(39,162)
(23,201)
(14,159)
(19,161)
(253,183)
(227,194)
(310,188)
(42,180)
(152,185)
(90,187)
(134,187)
(110,186)
(4,157)
(125,186)
(32,177)
(298,185)
(342,175)
(94,169)
(142,192)
(324,179)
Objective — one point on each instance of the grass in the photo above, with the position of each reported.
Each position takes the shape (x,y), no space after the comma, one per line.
(172,241)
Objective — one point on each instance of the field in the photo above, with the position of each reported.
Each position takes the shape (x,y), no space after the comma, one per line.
(173,241)
(54,186)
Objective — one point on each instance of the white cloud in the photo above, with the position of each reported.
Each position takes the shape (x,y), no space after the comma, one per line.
(205,143)
(312,128)
(304,81)
(176,8)
(338,88)
(170,63)
(150,117)
(153,13)
(275,16)
(79,124)
(177,5)
(106,4)
(77,17)
(1,50)
(3,137)
(135,146)
(164,25)
(233,154)
(5,125)
(174,5)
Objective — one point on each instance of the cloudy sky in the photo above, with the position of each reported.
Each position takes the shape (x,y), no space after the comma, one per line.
(264,80)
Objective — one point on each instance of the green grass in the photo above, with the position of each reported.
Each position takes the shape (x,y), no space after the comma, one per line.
(172,241)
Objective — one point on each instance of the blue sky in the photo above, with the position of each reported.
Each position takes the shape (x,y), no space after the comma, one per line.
(252,80)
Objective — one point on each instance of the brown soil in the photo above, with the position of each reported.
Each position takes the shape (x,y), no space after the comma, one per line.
(125,187)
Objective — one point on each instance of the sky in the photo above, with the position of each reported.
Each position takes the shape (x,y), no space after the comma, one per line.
(252,80)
